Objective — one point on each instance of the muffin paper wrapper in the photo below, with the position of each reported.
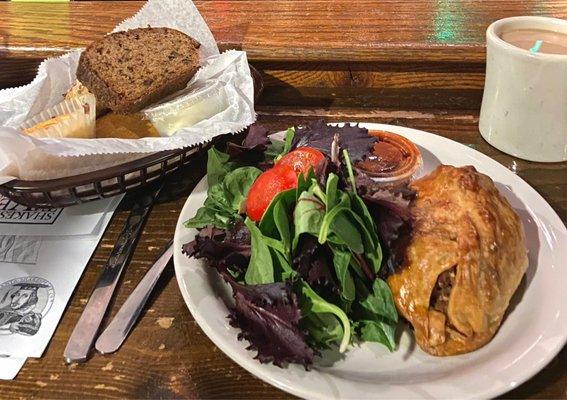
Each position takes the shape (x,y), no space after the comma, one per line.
(223,84)
(79,118)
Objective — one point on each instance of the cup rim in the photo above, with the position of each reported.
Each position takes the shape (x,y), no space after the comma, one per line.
(492,35)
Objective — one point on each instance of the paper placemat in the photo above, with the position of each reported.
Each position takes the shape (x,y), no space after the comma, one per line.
(37,277)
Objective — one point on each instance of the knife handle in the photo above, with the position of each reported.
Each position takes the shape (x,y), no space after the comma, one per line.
(117,331)
(87,327)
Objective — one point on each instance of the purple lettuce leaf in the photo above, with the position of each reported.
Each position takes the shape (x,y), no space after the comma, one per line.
(397,199)
(222,248)
(391,211)
(313,262)
(253,146)
(268,316)
(319,135)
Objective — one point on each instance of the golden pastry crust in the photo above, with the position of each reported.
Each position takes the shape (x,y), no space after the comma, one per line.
(37,130)
(464,261)
(77,90)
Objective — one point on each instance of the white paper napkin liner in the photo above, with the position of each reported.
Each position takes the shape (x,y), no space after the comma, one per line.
(237,116)
(194,25)
(57,75)
(54,78)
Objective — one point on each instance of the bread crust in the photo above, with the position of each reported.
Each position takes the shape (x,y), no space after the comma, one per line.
(96,79)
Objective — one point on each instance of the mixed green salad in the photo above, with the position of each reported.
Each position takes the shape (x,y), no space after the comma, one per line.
(297,233)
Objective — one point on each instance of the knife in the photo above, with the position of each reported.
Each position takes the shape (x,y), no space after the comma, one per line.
(85,331)
(116,332)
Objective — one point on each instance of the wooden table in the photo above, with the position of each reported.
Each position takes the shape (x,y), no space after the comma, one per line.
(413,63)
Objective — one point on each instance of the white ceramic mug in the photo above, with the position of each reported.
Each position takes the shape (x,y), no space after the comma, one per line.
(524,106)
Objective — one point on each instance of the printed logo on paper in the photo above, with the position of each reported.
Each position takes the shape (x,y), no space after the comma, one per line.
(19,249)
(14,213)
(24,302)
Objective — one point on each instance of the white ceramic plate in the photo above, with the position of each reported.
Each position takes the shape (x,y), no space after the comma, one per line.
(532,334)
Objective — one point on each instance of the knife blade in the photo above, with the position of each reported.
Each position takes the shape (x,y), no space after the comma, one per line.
(117,331)
(84,333)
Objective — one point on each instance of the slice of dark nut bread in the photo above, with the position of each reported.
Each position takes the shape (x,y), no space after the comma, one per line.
(127,71)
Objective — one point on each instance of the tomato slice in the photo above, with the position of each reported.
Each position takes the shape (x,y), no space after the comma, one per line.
(302,159)
(282,176)
(266,187)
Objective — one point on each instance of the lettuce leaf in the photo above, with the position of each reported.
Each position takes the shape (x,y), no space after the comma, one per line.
(253,146)
(224,202)
(320,136)
(260,269)
(268,317)
(223,249)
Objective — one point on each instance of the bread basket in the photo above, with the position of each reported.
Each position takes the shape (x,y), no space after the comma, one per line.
(71,190)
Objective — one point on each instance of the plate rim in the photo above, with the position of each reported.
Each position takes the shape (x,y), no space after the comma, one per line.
(256,369)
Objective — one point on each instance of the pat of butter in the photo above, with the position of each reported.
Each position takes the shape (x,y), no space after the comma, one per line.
(183,110)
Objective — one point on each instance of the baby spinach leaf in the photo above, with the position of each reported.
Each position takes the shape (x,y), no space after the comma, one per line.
(208,216)
(268,224)
(289,134)
(375,258)
(304,182)
(347,231)
(341,261)
(349,170)
(318,192)
(331,191)
(277,149)
(217,166)
(358,272)
(349,228)
(260,269)
(225,198)
(274,244)
(215,211)
(218,200)
(339,222)
(379,331)
(282,268)
(380,301)
(324,329)
(282,224)
(274,149)
(372,249)
(313,303)
(362,211)
(307,216)
(237,183)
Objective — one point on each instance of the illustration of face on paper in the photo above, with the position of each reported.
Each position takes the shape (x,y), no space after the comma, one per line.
(24,302)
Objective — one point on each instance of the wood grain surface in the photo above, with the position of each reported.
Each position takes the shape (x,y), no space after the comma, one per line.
(315,30)
(417,63)
(317,53)
(168,356)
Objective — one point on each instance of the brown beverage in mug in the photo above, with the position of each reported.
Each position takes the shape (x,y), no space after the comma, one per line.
(553,42)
